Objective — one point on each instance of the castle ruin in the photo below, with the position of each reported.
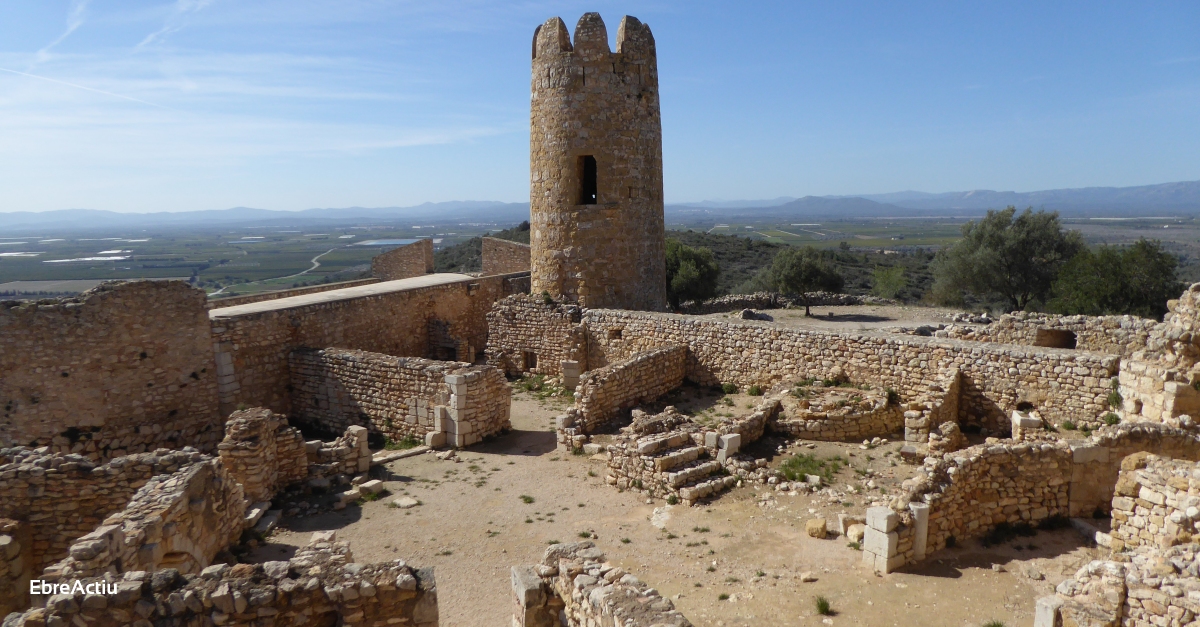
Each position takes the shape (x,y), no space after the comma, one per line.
(150,437)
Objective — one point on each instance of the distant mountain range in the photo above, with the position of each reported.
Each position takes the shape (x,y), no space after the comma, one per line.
(1145,200)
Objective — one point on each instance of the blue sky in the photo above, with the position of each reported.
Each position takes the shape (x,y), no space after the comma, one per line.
(208,104)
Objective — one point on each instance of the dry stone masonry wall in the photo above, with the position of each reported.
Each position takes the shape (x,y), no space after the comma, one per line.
(321,585)
(406,261)
(1096,461)
(263,453)
(595,155)
(501,256)
(775,300)
(575,586)
(1115,335)
(535,334)
(604,392)
(1157,502)
(253,347)
(123,368)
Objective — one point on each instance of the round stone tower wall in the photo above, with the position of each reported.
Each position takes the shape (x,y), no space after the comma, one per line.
(595,157)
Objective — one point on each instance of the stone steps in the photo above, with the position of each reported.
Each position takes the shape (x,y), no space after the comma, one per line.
(678,457)
(692,473)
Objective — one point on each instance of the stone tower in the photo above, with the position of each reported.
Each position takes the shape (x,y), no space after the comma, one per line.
(595,161)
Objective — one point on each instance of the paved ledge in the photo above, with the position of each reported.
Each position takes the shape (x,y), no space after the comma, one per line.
(360,291)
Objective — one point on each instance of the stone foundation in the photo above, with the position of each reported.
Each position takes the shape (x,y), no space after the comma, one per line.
(574,585)
(398,397)
(841,414)
(321,585)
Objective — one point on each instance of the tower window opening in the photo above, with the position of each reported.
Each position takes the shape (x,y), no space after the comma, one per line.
(587,180)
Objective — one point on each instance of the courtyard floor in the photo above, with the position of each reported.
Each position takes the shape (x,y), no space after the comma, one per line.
(502,502)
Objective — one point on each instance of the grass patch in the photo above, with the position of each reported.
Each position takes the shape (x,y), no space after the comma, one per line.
(754,390)
(625,540)
(796,467)
(722,597)
(993,623)
(553,542)
(700,529)
(1068,425)
(1111,419)
(525,498)
(672,500)
(823,606)
(585,534)
(729,388)
(402,444)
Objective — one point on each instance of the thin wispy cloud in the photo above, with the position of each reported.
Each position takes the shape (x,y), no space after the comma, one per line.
(83,87)
(176,20)
(75,19)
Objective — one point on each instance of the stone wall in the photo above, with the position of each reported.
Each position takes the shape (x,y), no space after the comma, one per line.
(398,397)
(1115,335)
(321,585)
(574,581)
(838,414)
(1096,461)
(775,300)
(55,499)
(122,368)
(263,453)
(15,568)
(233,301)
(1149,587)
(1157,502)
(594,110)
(180,521)
(1061,384)
(1157,384)
(941,403)
(405,261)
(442,321)
(530,333)
(501,256)
(645,376)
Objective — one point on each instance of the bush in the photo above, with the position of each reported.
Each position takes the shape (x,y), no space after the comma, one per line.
(691,273)
(1068,425)
(672,500)
(729,388)
(823,606)
(755,391)
(893,397)
(1111,419)
(799,271)
(1114,397)
(889,281)
(1136,280)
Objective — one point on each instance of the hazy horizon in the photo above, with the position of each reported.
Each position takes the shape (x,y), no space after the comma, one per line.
(191,105)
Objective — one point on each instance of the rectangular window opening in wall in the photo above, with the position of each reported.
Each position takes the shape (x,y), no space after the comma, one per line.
(1055,338)
(528,360)
(587,180)
(614,334)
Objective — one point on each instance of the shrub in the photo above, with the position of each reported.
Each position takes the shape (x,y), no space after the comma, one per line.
(823,606)
(1068,425)
(722,597)
(729,388)
(755,391)
(1114,397)
(672,500)
(525,498)
(893,397)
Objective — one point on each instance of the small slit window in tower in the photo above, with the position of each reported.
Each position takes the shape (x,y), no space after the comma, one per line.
(587,180)
(528,360)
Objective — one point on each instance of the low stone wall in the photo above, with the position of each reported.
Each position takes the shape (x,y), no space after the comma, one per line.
(574,581)
(533,334)
(444,320)
(122,368)
(1157,502)
(321,585)
(398,397)
(232,301)
(178,521)
(56,499)
(604,392)
(1115,335)
(263,453)
(16,548)
(1060,384)
(405,261)
(501,256)
(1150,587)
(1096,461)
(939,404)
(838,414)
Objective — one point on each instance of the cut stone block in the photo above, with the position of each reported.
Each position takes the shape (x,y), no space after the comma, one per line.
(882,519)
(373,486)
(881,543)
(406,502)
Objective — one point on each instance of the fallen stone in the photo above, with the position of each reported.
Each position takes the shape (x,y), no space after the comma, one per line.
(855,532)
(593,449)
(406,502)
(816,528)
(268,521)
(807,577)
(373,486)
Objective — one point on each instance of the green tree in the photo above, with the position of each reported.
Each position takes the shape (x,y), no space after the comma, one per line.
(798,271)
(889,281)
(691,273)
(1005,256)
(1136,280)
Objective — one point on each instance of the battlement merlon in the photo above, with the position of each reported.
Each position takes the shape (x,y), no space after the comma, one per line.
(635,42)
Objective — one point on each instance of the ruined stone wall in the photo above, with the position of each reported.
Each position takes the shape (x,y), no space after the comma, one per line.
(524,326)
(941,403)
(1156,502)
(588,102)
(575,581)
(405,261)
(263,453)
(844,421)
(233,301)
(1096,461)
(321,585)
(1115,335)
(398,396)
(56,499)
(1149,587)
(775,300)
(180,521)
(15,568)
(122,368)
(501,256)
(253,348)
(1061,384)
(604,392)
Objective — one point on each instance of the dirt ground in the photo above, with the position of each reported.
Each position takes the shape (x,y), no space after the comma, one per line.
(858,317)
(475,522)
